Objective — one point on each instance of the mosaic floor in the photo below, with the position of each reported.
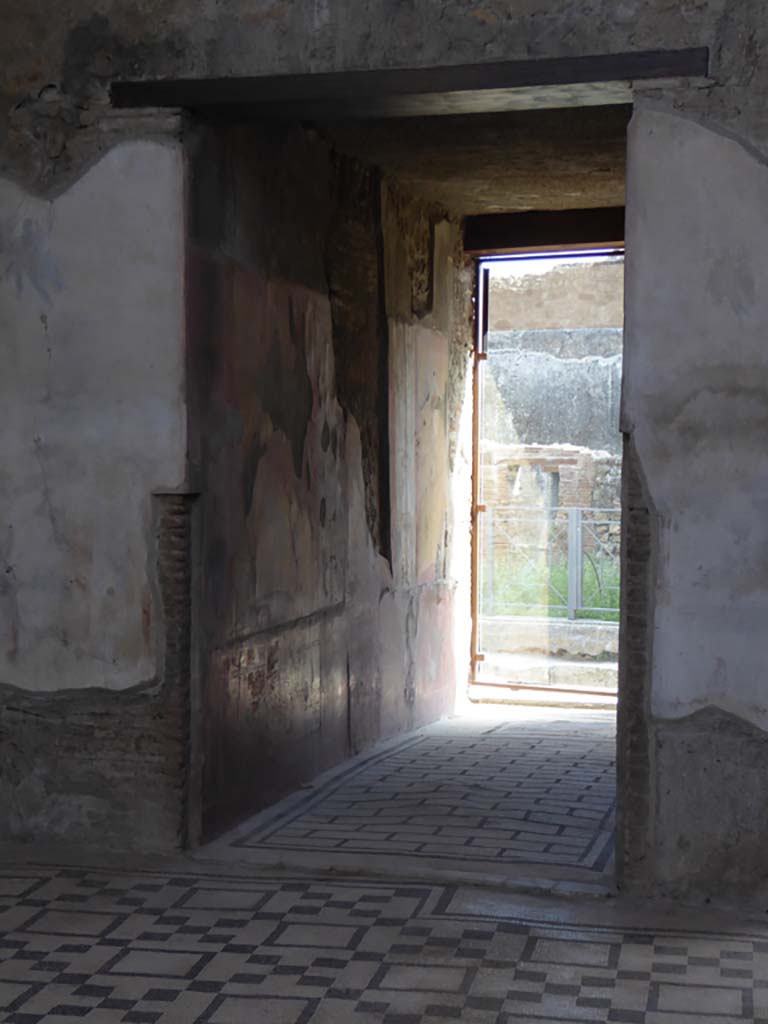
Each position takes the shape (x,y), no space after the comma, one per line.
(532,795)
(161,948)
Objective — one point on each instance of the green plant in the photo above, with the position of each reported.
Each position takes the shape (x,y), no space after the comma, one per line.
(515,585)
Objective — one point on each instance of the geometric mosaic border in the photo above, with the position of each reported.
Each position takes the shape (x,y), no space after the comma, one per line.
(162,948)
(490,799)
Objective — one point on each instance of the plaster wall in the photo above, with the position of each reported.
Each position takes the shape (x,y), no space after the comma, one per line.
(541,399)
(695,409)
(92,391)
(694,401)
(91,329)
(311,647)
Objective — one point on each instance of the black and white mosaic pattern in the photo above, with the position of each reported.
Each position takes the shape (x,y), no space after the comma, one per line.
(153,948)
(467,795)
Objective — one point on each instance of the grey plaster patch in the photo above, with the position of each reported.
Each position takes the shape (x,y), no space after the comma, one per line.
(694,350)
(554,400)
(93,768)
(91,318)
(712,802)
(709,122)
(27,257)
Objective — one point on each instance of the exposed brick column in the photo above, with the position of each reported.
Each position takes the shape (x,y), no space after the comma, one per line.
(634,747)
(174,575)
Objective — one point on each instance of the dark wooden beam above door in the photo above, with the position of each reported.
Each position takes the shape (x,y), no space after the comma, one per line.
(498,233)
(412,92)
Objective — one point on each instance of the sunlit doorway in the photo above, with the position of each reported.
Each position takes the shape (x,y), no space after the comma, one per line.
(548,472)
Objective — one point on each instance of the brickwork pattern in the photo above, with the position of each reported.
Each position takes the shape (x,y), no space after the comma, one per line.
(174,569)
(104,767)
(633,838)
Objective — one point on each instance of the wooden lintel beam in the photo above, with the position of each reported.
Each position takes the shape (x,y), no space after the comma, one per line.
(498,233)
(409,91)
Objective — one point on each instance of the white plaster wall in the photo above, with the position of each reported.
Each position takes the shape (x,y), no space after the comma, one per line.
(91,390)
(696,400)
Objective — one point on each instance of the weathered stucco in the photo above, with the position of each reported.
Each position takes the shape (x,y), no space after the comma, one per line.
(105,769)
(695,403)
(310,650)
(92,389)
(695,408)
(57,65)
(92,348)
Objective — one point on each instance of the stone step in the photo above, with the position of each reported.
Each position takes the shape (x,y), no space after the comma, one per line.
(541,696)
(550,638)
(541,671)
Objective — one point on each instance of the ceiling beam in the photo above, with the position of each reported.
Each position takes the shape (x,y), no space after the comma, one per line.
(492,234)
(410,92)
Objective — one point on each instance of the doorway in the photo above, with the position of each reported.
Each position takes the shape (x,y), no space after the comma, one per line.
(547,467)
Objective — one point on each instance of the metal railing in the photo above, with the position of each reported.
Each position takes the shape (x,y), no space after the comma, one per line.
(561,562)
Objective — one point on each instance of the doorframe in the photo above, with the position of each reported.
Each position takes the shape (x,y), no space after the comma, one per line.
(473,89)
(479,356)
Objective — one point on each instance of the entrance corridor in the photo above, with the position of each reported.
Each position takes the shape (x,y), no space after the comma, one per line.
(502,794)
